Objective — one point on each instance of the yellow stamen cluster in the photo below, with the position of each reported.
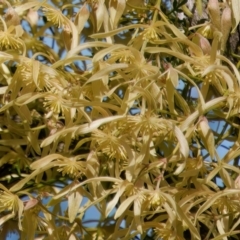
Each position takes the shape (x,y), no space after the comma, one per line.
(72,168)
(8,201)
(125,56)
(150,34)
(148,123)
(54,102)
(224,204)
(8,41)
(196,163)
(109,144)
(163,232)
(55,16)
(156,200)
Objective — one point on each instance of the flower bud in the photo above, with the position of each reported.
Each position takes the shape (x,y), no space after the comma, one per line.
(11,17)
(32,17)
(206,136)
(214,12)
(226,25)
(203,43)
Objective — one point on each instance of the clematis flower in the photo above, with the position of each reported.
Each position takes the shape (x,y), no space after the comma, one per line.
(213,74)
(10,202)
(71,167)
(122,55)
(9,41)
(196,165)
(33,74)
(147,124)
(55,102)
(150,34)
(109,143)
(139,70)
(155,199)
(227,204)
(163,232)
(150,124)
(54,15)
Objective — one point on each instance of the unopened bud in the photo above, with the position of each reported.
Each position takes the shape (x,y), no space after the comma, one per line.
(32,17)
(206,136)
(205,45)
(226,25)
(214,12)
(11,17)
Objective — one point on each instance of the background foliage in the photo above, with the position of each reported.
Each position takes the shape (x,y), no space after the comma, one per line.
(125,104)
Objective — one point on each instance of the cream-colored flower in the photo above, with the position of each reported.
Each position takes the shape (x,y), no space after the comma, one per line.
(163,232)
(138,70)
(122,55)
(147,123)
(216,77)
(206,31)
(72,167)
(9,41)
(227,204)
(150,34)
(36,75)
(109,143)
(54,16)
(54,102)
(196,164)
(25,73)
(11,202)
(155,199)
